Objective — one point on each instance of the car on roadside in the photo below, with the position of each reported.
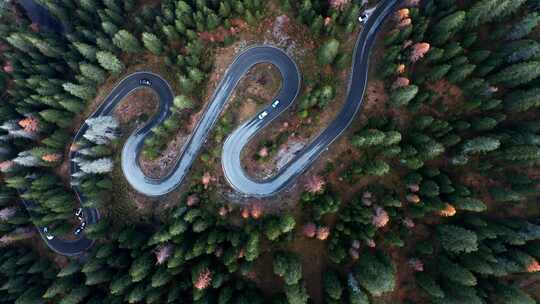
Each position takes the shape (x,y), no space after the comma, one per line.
(363,17)
(145,82)
(263,115)
(275,104)
(48,236)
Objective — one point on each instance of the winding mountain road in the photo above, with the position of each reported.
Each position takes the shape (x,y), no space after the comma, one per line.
(241,65)
(235,143)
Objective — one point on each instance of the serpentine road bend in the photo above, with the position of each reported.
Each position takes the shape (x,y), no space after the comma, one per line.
(232,149)
(240,66)
(234,144)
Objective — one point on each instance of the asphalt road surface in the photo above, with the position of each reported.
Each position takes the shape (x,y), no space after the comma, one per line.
(72,247)
(234,144)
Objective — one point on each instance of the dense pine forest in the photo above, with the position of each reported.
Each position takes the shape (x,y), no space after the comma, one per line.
(429,197)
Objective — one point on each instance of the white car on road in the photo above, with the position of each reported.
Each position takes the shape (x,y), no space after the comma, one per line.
(275,104)
(80,228)
(47,234)
(263,115)
(363,17)
(79,214)
(145,82)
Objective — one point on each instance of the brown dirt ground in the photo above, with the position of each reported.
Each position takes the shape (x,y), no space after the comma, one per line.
(451,95)
(314,255)
(140,104)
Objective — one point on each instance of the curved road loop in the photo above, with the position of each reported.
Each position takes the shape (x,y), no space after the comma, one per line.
(234,144)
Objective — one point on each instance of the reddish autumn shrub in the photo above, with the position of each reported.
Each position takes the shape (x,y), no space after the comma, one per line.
(314,184)
(402,14)
(327,21)
(400,68)
(413,198)
(52,157)
(323,233)
(29,124)
(448,211)
(309,230)
(6,165)
(401,82)
(8,68)
(204,279)
(263,152)
(256,210)
(206,179)
(419,50)
(241,253)
(381,218)
(534,266)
